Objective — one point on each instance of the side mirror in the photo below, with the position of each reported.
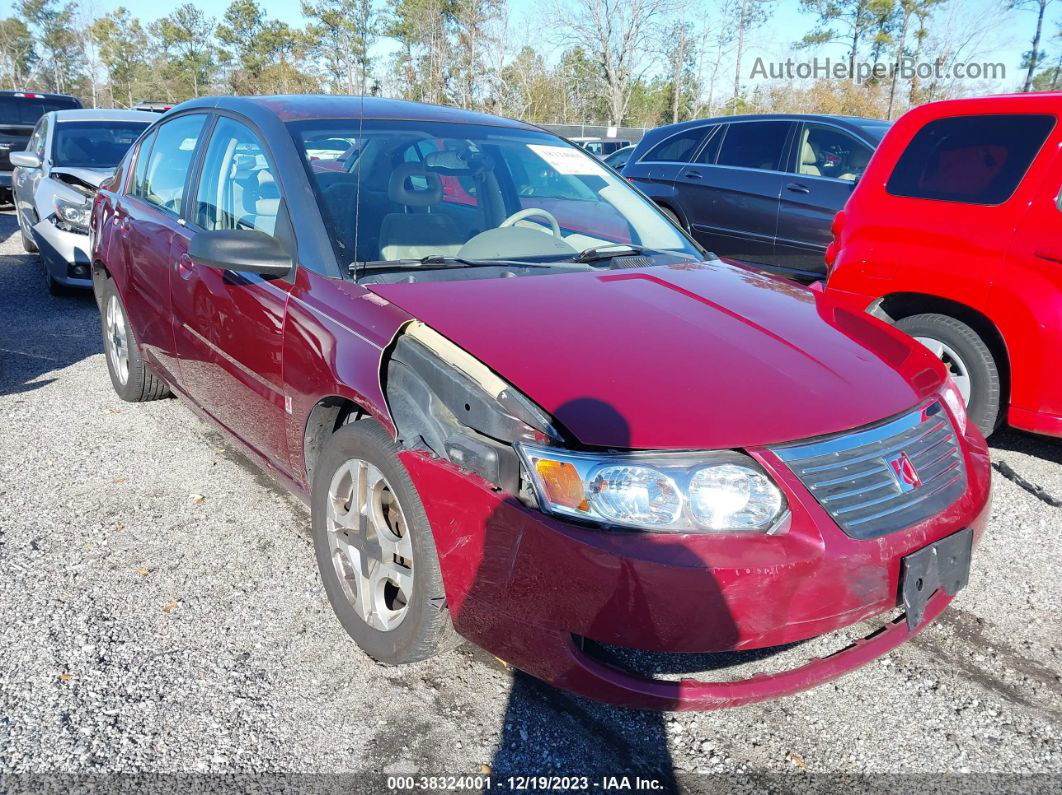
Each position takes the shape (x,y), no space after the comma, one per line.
(25,159)
(241,250)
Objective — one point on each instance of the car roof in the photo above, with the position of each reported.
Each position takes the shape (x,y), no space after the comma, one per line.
(855,123)
(35,95)
(296,107)
(992,103)
(115,114)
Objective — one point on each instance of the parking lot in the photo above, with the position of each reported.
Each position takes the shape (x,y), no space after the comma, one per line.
(162,612)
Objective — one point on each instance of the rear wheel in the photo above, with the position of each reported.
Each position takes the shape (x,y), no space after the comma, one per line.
(969,361)
(673,217)
(375,549)
(129,376)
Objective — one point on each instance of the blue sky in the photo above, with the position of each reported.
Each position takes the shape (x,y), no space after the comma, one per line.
(977,25)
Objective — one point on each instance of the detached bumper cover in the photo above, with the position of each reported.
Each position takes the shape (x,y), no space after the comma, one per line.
(522,584)
(60,250)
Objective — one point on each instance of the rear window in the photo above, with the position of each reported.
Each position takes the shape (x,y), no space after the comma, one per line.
(679,148)
(969,159)
(21,110)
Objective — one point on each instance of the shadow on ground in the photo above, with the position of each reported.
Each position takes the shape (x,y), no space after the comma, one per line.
(39,333)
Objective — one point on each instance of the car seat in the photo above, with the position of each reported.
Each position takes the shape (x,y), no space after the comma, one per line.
(857,163)
(809,160)
(412,235)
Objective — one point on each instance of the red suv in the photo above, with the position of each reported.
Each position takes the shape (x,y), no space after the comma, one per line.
(954,233)
(519,422)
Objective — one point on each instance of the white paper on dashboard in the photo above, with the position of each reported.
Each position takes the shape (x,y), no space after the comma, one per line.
(567,160)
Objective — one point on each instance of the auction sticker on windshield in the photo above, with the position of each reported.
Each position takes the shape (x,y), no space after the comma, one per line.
(567,160)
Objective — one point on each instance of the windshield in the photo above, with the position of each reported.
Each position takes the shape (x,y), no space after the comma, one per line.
(26,111)
(93,144)
(402,191)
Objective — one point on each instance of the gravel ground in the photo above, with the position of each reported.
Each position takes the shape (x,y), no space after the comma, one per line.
(162,613)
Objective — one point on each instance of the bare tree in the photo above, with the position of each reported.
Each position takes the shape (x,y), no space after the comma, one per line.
(618,35)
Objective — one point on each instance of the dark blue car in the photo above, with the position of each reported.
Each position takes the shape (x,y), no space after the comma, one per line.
(762,189)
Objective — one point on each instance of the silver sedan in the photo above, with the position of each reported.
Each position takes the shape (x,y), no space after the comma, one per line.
(55,179)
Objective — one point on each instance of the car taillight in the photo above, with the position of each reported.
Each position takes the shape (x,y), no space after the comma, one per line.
(28,96)
(831,250)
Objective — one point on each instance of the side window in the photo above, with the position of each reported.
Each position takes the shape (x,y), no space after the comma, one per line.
(36,141)
(679,148)
(166,169)
(825,151)
(143,154)
(237,188)
(969,159)
(756,144)
(710,151)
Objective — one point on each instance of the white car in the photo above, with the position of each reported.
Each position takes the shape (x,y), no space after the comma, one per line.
(55,179)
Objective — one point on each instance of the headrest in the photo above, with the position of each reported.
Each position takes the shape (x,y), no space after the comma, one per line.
(267,207)
(859,158)
(413,185)
(807,155)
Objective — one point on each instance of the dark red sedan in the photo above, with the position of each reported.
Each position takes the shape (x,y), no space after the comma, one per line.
(549,436)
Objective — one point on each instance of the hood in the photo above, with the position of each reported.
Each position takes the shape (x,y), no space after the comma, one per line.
(89,177)
(700,356)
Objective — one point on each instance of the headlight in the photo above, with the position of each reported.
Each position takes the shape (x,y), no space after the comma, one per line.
(73,215)
(953,397)
(713,492)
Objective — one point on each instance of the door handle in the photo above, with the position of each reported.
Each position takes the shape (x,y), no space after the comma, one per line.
(693,175)
(796,187)
(184,267)
(1050,256)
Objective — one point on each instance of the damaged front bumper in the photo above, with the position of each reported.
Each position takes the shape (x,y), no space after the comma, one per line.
(531,589)
(65,253)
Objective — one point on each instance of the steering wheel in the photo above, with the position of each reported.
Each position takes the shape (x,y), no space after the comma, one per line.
(532,212)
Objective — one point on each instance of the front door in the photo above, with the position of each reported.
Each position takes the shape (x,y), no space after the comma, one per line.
(147,217)
(229,326)
(828,161)
(730,193)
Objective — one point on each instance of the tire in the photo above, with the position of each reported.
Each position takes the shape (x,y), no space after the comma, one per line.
(133,382)
(672,217)
(963,351)
(28,245)
(54,287)
(400,624)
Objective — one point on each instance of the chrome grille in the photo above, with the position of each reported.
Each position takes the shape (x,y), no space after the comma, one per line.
(853,477)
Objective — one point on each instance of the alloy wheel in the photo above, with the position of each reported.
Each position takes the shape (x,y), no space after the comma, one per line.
(117,339)
(369,544)
(957,368)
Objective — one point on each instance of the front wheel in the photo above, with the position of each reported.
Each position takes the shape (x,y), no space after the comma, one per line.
(28,243)
(969,361)
(375,549)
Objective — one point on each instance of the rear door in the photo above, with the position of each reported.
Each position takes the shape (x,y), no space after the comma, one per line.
(147,217)
(229,326)
(730,192)
(824,165)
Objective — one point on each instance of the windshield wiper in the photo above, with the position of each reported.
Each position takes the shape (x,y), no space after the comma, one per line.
(440,261)
(598,253)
